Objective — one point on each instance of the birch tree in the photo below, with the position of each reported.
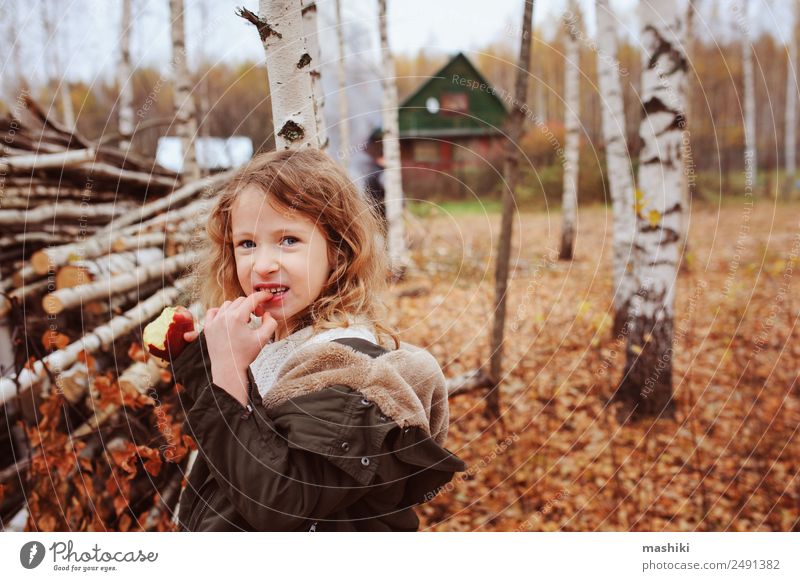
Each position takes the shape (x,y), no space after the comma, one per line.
(56,26)
(344,115)
(280,27)
(688,161)
(311,32)
(620,176)
(750,155)
(185,113)
(511,172)
(398,254)
(790,140)
(647,383)
(572,125)
(124,79)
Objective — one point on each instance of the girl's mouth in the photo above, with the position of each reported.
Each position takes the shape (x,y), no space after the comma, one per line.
(277,294)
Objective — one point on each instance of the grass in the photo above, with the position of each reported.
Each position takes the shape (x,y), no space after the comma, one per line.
(454,208)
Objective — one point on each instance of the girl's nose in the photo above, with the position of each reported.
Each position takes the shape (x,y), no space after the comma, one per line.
(266,262)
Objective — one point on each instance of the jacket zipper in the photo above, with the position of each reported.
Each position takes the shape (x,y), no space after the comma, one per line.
(313,528)
(203,502)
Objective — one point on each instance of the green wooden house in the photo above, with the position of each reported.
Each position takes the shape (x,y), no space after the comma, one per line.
(453,121)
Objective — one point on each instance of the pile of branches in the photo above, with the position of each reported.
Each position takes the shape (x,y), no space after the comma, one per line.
(95,243)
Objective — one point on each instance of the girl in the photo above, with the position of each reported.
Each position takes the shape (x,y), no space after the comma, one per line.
(319,418)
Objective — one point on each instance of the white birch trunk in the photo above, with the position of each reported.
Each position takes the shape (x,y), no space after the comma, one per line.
(572,126)
(393,183)
(647,382)
(81,272)
(791,104)
(185,120)
(290,66)
(66,105)
(311,32)
(620,176)
(688,160)
(67,298)
(124,79)
(344,114)
(750,155)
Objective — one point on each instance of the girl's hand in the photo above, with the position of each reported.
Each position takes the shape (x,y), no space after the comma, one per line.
(190,336)
(233,345)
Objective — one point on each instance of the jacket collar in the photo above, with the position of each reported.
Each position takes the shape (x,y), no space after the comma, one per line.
(406,384)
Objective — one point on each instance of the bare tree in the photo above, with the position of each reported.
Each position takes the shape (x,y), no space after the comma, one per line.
(750,155)
(344,121)
(311,32)
(124,78)
(646,387)
(185,113)
(511,171)
(54,22)
(620,176)
(572,124)
(790,142)
(280,27)
(398,253)
(686,142)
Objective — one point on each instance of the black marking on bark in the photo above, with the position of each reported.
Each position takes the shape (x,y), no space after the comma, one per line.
(665,48)
(655,105)
(304,61)
(661,263)
(657,160)
(675,208)
(308,7)
(263,27)
(668,235)
(292,131)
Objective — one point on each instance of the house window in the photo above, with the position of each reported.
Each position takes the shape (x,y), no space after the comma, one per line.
(454,103)
(426,151)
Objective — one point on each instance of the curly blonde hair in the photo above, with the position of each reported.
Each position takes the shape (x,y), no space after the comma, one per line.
(311,183)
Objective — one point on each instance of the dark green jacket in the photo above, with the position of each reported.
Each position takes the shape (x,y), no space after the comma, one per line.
(327,460)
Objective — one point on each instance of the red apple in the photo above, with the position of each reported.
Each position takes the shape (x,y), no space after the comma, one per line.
(164,336)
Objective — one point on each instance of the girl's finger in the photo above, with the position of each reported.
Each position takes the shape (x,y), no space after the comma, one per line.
(191,335)
(211,314)
(253,304)
(266,330)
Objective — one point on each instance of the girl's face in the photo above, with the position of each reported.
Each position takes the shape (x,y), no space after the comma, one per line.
(278,246)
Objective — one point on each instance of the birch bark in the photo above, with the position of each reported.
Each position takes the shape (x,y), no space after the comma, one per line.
(647,382)
(185,120)
(620,174)
(398,253)
(572,126)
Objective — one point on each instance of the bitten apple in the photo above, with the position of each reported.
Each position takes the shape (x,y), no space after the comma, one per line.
(164,336)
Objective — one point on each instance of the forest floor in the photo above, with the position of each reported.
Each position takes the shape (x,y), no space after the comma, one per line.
(560,459)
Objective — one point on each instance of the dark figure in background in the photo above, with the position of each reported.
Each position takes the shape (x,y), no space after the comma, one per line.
(374,186)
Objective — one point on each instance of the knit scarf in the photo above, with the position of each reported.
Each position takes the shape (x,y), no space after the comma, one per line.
(267,364)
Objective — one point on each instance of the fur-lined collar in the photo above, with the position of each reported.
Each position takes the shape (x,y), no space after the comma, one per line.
(407,384)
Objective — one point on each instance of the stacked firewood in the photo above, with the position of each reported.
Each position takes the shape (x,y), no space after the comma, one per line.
(95,242)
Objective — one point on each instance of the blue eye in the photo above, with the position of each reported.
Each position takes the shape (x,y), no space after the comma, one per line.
(243,242)
(291,238)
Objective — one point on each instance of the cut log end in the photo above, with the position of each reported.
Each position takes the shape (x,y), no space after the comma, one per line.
(52,305)
(71,276)
(41,262)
